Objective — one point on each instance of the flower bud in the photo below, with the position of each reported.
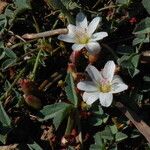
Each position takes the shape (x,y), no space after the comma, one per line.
(28,87)
(93,58)
(33,101)
(75,56)
(72,69)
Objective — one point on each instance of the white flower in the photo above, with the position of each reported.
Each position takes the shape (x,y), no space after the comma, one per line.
(102,86)
(82,34)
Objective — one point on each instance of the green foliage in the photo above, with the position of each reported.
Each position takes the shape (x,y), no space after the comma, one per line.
(120,136)
(63,6)
(143,27)
(5,124)
(10,58)
(99,145)
(22,5)
(122,1)
(130,62)
(108,135)
(70,90)
(146,4)
(98,116)
(34,146)
(4,119)
(57,112)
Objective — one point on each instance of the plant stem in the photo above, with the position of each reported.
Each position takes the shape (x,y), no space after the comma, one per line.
(12,85)
(32,77)
(45,34)
(108,7)
(79,128)
(70,123)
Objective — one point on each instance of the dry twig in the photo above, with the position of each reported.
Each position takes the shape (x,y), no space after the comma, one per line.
(45,34)
(135,119)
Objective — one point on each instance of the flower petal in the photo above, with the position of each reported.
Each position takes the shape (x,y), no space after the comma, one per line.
(94,74)
(77,47)
(91,97)
(81,20)
(105,99)
(67,38)
(118,85)
(93,48)
(87,86)
(98,36)
(93,25)
(109,70)
(71,29)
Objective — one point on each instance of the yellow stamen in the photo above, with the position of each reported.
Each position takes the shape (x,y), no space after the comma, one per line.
(82,36)
(105,88)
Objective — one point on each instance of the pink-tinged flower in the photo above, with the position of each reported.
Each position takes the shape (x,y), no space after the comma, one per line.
(83,36)
(103,85)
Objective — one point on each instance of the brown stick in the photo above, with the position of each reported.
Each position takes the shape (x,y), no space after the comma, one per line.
(9,147)
(45,34)
(135,119)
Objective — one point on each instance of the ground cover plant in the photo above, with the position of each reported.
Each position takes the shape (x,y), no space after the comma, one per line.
(74,75)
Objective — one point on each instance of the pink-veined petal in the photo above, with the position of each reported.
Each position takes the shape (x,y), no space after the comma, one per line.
(93,25)
(94,74)
(91,97)
(81,20)
(77,47)
(98,36)
(109,70)
(93,48)
(105,99)
(87,86)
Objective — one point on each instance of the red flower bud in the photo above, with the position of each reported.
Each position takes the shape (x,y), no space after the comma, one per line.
(75,56)
(133,20)
(33,101)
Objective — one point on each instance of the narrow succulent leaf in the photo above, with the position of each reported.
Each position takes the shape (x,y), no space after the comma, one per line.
(70,90)
(4,118)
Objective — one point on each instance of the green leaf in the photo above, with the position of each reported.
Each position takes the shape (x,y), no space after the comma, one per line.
(114,129)
(57,112)
(141,38)
(70,90)
(10,53)
(146,78)
(146,4)
(4,119)
(34,146)
(69,4)
(22,5)
(143,27)
(107,134)
(99,145)
(57,4)
(130,62)
(135,60)
(122,1)
(120,136)
(3,22)
(133,71)
(7,63)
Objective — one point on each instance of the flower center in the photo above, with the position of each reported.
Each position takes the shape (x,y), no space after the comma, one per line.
(105,88)
(82,36)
